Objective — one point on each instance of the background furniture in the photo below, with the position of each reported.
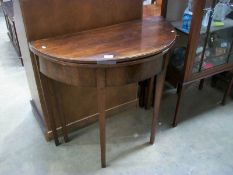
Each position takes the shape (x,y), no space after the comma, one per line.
(8,12)
(207,51)
(110,56)
(222,80)
(35,20)
(150,10)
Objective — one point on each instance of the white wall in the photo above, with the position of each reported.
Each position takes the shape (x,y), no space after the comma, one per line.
(175,9)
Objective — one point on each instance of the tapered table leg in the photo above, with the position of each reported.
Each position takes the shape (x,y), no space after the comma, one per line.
(159,85)
(178,88)
(149,93)
(48,90)
(180,97)
(227,92)
(56,107)
(157,100)
(102,115)
(142,94)
(61,115)
(201,85)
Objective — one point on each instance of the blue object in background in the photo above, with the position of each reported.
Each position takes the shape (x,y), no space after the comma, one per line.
(187,19)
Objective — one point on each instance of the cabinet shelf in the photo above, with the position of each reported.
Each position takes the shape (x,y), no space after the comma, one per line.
(228,23)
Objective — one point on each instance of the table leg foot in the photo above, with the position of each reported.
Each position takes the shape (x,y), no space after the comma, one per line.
(56,141)
(66,139)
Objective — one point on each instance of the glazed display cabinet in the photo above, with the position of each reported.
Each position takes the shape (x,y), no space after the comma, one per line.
(204,46)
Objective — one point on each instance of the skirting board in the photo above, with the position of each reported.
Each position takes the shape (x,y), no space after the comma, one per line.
(80,123)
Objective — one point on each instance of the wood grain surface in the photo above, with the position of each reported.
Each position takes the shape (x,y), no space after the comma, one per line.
(117,43)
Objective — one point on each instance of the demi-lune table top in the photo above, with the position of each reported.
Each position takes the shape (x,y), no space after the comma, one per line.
(119,43)
(137,51)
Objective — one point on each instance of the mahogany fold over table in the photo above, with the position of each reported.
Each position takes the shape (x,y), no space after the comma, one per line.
(104,57)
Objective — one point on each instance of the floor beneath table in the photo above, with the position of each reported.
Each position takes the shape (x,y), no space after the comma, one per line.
(200,145)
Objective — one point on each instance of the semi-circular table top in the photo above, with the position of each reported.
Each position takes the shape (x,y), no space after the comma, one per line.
(122,42)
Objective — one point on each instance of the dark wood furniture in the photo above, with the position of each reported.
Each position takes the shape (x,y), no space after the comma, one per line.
(223,80)
(111,56)
(34,20)
(151,10)
(208,49)
(8,12)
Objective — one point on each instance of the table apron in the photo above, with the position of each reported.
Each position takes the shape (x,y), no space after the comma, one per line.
(114,76)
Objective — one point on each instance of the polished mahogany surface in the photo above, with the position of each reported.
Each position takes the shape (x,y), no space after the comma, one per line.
(111,56)
(119,43)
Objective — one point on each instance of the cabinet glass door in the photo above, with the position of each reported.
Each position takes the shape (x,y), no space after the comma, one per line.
(216,36)
(231,49)
(179,13)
